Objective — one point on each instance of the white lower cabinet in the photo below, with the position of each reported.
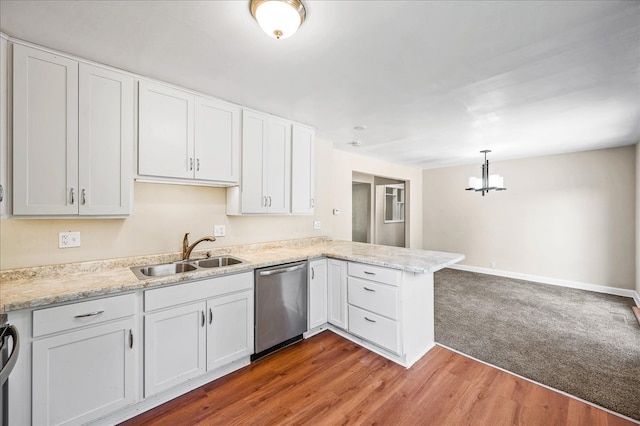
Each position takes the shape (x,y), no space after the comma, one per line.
(82,375)
(317,293)
(230,331)
(196,327)
(337,293)
(174,347)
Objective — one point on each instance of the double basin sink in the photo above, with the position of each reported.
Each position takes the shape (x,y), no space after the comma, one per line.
(164,269)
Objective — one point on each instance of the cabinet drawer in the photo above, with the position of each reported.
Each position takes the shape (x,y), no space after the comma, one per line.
(379,298)
(375,273)
(375,328)
(68,317)
(196,290)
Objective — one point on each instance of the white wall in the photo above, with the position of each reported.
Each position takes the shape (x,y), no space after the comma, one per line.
(344,163)
(638,218)
(569,216)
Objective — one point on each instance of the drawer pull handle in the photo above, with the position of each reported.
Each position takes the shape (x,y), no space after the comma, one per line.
(313,274)
(90,314)
(203,320)
(370,320)
(369,273)
(369,289)
(130,339)
(210,316)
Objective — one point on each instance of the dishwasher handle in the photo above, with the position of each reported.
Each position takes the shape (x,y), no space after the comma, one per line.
(282,270)
(11,362)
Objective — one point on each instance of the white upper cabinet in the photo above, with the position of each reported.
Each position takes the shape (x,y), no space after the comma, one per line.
(302,170)
(278,165)
(217,140)
(254,135)
(4,128)
(266,163)
(72,137)
(184,136)
(165,131)
(106,141)
(45,133)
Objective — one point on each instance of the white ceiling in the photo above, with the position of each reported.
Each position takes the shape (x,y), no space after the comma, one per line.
(434,81)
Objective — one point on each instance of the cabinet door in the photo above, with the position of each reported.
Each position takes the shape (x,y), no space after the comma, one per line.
(217,140)
(302,170)
(230,331)
(317,293)
(83,375)
(337,293)
(45,133)
(4,132)
(254,135)
(175,347)
(165,131)
(106,141)
(278,166)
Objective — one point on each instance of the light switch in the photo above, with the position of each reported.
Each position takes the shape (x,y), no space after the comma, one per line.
(316,224)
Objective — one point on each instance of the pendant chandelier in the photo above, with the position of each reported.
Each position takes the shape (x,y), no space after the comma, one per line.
(487,182)
(278,18)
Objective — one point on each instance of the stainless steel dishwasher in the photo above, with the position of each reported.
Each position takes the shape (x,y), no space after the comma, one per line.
(281,307)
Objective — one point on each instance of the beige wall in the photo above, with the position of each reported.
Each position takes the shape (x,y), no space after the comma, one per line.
(569,216)
(344,163)
(163,213)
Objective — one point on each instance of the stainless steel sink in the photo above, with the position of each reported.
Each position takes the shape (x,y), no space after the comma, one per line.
(164,269)
(217,262)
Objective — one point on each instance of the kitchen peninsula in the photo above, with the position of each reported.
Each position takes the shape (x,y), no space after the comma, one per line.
(156,338)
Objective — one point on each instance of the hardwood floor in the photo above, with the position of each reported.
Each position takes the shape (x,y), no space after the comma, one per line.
(327,380)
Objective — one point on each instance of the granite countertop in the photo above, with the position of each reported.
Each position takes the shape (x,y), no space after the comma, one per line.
(44,285)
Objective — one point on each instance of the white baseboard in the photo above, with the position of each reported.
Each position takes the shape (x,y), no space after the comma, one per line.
(553,281)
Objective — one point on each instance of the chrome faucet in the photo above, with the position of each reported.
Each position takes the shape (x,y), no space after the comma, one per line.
(187,249)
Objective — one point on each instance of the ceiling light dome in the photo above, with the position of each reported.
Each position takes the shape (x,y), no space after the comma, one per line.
(278,18)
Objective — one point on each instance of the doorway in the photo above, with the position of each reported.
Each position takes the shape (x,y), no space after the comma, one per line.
(361,212)
(379,209)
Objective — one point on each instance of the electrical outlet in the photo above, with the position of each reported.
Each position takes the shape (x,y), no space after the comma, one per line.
(316,224)
(68,239)
(219,231)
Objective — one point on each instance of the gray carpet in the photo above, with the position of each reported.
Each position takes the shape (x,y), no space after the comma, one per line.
(584,343)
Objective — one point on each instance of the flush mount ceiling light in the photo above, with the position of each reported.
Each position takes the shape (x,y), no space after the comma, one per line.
(278,18)
(487,182)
